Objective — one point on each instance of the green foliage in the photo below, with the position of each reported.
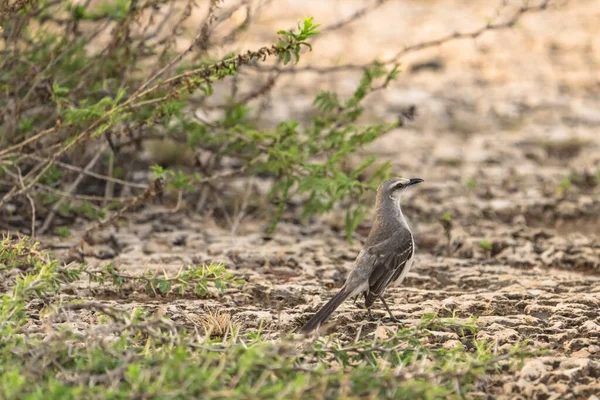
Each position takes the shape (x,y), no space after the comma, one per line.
(486,245)
(307,162)
(471,184)
(115,10)
(194,280)
(239,367)
(81,97)
(86,210)
(333,135)
(446,217)
(52,175)
(292,42)
(63,231)
(463,327)
(564,186)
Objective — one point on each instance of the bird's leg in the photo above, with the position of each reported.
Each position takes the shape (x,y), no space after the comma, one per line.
(371,317)
(392,318)
(355,300)
(369,314)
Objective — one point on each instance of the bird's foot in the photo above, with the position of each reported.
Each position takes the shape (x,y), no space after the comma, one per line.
(370,315)
(393,320)
(385,320)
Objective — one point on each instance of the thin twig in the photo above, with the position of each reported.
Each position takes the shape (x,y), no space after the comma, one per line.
(31,203)
(242,213)
(153,190)
(70,190)
(525,9)
(89,173)
(109,190)
(201,38)
(355,16)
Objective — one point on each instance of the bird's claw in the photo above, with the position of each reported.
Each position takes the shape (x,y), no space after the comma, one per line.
(394,320)
(370,315)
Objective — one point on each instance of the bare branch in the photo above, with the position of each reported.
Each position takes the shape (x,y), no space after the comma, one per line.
(510,23)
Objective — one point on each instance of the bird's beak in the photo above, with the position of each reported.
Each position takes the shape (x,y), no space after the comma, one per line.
(414,181)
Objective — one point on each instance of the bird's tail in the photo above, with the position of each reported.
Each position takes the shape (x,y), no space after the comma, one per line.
(325,312)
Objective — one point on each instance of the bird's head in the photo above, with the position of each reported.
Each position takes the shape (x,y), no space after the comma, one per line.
(394,188)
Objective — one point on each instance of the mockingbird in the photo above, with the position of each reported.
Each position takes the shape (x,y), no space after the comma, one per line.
(386,257)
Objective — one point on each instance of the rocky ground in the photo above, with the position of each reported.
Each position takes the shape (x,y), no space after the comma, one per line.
(508,142)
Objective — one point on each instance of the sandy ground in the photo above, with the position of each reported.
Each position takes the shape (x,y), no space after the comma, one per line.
(508,142)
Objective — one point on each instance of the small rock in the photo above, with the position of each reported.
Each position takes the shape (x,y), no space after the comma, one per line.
(383,332)
(254,318)
(533,370)
(539,391)
(590,326)
(98,237)
(443,336)
(179,240)
(501,336)
(559,388)
(102,252)
(152,247)
(477,396)
(124,240)
(583,353)
(575,368)
(452,344)
(510,387)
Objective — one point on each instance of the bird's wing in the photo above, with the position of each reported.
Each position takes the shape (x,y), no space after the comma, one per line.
(390,257)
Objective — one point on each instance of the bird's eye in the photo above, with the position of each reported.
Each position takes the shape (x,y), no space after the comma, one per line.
(397,186)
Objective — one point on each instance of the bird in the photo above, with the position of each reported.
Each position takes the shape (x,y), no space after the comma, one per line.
(385,259)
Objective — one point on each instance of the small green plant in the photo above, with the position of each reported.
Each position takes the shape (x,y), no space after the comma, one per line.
(564,186)
(51,176)
(463,327)
(195,280)
(486,245)
(471,184)
(446,217)
(446,221)
(86,210)
(63,231)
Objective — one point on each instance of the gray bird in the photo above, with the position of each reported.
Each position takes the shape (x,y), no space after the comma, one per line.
(385,259)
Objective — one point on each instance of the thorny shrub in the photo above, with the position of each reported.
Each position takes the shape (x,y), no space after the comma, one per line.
(76,110)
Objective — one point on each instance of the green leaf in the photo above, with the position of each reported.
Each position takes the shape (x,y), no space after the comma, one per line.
(486,244)
(447,217)
(164,286)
